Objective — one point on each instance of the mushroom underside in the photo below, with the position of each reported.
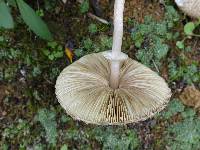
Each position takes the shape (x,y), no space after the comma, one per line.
(83,91)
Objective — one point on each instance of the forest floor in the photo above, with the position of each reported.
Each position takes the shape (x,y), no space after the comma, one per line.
(32,118)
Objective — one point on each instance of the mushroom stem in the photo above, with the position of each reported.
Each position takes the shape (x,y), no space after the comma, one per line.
(114,74)
(117,43)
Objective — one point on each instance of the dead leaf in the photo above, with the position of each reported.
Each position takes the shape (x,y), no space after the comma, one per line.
(4,91)
(191,97)
(69,54)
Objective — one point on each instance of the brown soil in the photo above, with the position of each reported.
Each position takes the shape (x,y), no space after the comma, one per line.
(137,9)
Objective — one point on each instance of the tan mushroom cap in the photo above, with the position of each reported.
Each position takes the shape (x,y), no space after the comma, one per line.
(83,91)
(190,7)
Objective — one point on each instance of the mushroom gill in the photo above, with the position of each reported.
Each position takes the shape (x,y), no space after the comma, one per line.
(83,91)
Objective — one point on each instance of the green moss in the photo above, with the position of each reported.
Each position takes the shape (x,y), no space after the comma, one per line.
(116,138)
(84,7)
(151,37)
(187,73)
(53,51)
(174,107)
(64,147)
(188,113)
(184,135)
(101,43)
(47,120)
(16,132)
(92,28)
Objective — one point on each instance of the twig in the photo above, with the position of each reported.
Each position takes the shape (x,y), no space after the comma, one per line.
(155,66)
(195,44)
(38,5)
(48,81)
(98,18)
(196,35)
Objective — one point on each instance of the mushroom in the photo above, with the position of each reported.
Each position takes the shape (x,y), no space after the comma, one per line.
(108,88)
(190,7)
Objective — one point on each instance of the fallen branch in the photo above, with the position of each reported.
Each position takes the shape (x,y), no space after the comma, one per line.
(97,18)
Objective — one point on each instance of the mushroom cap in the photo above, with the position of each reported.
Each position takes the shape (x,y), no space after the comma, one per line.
(83,91)
(190,7)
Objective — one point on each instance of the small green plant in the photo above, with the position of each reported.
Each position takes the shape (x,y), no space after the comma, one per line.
(188,31)
(36,71)
(84,7)
(64,147)
(174,107)
(36,95)
(53,51)
(54,72)
(105,43)
(92,28)
(40,12)
(88,46)
(48,121)
(17,132)
(65,119)
(150,37)
(184,135)
(116,138)
(180,44)
(11,53)
(10,73)
(187,73)
(188,113)
(39,146)
(34,22)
